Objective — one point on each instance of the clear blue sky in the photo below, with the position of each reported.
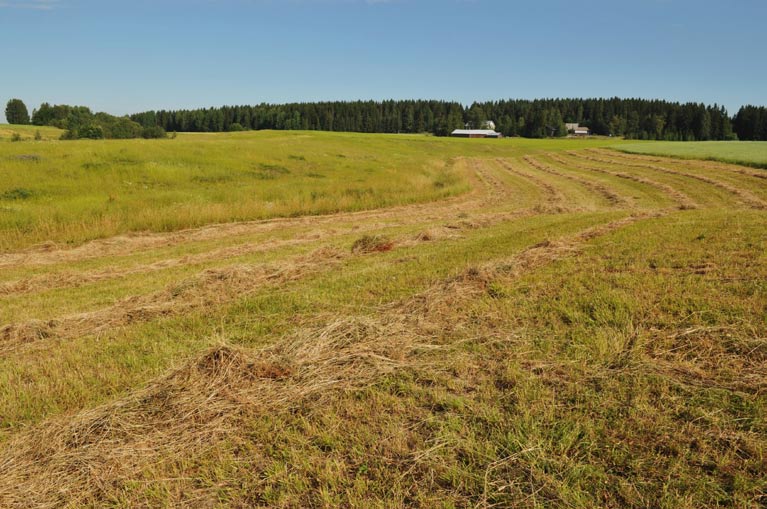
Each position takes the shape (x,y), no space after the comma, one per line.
(124,56)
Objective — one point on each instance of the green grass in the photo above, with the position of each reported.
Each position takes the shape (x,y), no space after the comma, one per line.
(508,338)
(748,153)
(71,192)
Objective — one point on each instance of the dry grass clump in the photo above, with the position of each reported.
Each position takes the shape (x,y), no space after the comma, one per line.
(372,244)
(88,459)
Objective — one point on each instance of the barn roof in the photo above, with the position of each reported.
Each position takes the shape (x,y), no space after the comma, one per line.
(486,132)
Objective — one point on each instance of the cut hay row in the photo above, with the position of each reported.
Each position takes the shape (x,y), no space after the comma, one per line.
(497,190)
(598,188)
(554,196)
(209,288)
(684,201)
(746,197)
(685,163)
(342,224)
(123,245)
(89,458)
(67,279)
(213,287)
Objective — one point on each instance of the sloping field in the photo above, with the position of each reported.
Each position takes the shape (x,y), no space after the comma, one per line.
(500,323)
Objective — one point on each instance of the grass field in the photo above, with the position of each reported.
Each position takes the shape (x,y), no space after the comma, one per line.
(27,132)
(749,153)
(429,323)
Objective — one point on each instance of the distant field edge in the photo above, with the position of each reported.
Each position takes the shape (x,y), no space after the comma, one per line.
(754,153)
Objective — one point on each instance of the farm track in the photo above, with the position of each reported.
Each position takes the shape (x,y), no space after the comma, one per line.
(200,404)
(746,198)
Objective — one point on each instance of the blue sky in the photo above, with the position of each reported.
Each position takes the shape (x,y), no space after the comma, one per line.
(124,56)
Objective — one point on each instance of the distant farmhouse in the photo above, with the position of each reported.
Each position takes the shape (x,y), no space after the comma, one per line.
(577,130)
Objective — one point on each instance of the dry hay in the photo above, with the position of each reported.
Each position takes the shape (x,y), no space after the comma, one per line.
(437,233)
(49,253)
(554,195)
(372,244)
(74,279)
(746,197)
(208,288)
(608,193)
(684,201)
(91,457)
(711,164)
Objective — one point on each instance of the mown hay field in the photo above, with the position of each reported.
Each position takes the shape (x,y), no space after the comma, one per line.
(492,323)
(748,153)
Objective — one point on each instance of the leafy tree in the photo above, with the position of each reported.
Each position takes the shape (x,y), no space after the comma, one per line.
(617,125)
(153,132)
(16,112)
(92,132)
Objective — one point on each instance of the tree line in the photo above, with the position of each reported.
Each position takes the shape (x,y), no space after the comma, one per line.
(80,122)
(630,118)
(751,123)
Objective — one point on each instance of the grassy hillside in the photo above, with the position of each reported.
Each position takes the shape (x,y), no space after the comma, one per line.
(555,325)
(749,153)
(74,191)
(27,132)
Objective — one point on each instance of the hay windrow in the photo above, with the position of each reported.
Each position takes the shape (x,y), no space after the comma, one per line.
(746,197)
(610,195)
(50,253)
(210,287)
(684,201)
(88,458)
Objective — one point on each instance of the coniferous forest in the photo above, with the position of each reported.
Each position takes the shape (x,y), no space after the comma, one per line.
(630,118)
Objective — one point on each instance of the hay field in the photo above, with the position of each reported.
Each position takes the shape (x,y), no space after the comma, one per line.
(748,153)
(493,323)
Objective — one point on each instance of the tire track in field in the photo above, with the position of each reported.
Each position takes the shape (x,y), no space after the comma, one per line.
(553,195)
(685,202)
(612,197)
(197,406)
(685,162)
(745,197)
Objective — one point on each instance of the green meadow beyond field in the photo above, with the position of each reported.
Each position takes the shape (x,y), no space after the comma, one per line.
(313,319)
